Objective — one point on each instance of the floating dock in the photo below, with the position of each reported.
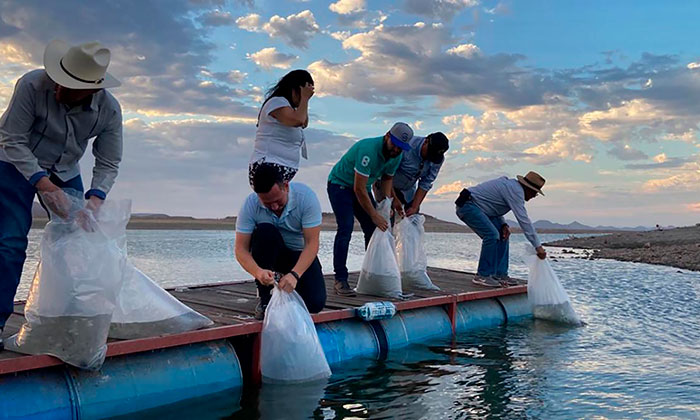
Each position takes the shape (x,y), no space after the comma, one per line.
(151,372)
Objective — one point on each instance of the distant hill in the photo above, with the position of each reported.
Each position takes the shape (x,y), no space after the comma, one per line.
(432,224)
(546,225)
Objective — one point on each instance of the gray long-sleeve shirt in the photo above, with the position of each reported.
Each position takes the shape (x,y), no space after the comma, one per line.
(501,195)
(39,135)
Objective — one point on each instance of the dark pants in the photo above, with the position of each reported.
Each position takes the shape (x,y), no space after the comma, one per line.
(16,198)
(346,209)
(270,253)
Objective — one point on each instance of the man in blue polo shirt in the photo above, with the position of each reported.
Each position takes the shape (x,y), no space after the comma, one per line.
(349,185)
(277,238)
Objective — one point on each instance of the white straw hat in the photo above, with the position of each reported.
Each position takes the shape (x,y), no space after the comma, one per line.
(80,66)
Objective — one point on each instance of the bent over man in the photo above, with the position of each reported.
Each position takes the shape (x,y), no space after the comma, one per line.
(44,132)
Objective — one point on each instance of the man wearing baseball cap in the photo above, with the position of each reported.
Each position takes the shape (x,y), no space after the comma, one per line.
(349,185)
(44,132)
(482,208)
(418,169)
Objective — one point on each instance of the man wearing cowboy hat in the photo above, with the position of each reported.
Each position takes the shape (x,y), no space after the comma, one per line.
(482,208)
(43,134)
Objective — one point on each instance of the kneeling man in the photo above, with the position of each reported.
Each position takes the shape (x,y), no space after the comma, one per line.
(482,208)
(277,238)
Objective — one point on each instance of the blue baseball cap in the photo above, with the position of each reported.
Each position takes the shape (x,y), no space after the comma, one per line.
(400,135)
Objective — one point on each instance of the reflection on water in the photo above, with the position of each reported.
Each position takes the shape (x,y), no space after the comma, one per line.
(638,357)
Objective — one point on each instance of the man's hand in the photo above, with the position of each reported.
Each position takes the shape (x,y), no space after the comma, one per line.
(541,253)
(265,277)
(397,207)
(93,204)
(288,283)
(505,232)
(412,210)
(53,197)
(380,222)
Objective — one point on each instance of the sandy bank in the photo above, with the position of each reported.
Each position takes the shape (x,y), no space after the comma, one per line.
(678,247)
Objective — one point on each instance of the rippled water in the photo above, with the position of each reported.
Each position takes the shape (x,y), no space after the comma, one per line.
(638,357)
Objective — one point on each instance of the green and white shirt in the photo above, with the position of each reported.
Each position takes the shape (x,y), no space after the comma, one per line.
(366,158)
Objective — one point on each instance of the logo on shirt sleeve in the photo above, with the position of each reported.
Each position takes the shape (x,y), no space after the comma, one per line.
(365,161)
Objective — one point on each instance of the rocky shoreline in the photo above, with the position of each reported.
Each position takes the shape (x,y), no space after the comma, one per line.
(679,247)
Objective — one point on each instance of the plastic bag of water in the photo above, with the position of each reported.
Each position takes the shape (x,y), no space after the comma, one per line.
(290,350)
(410,253)
(380,274)
(144,309)
(75,287)
(545,293)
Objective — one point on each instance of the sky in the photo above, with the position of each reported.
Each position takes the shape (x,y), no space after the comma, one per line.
(601,98)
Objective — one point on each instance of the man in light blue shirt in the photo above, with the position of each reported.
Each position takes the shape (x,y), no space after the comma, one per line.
(482,208)
(277,238)
(418,169)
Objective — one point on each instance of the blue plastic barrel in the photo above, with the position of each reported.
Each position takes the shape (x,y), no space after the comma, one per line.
(517,307)
(40,394)
(143,381)
(478,314)
(125,385)
(415,326)
(347,339)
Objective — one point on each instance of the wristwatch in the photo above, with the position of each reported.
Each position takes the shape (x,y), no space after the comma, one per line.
(294,273)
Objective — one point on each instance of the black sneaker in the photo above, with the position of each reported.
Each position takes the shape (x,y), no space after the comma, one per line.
(342,288)
(260,311)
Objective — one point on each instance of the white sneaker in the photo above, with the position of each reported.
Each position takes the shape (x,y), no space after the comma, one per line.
(486,281)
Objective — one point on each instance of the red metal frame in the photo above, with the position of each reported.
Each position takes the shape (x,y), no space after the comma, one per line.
(118,348)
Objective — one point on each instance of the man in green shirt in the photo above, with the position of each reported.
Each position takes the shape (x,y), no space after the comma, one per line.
(349,186)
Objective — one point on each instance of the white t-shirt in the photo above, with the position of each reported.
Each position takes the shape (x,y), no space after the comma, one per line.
(274,141)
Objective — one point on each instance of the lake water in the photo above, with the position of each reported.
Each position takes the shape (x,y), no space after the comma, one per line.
(638,357)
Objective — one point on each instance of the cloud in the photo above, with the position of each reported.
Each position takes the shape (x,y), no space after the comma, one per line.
(250,23)
(295,30)
(410,61)
(464,50)
(682,178)
(695,207)
(451,188)
(268,58)
(217,18)
(232,76)
(661,161)
(157,53)
(627,152)
(693,65)
(438,9)
(346,7)
(490,163)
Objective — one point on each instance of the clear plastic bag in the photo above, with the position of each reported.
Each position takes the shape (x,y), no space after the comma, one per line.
(410,253)
(144,309)
(380,274)
(545,293)
(290,350)
(75,287)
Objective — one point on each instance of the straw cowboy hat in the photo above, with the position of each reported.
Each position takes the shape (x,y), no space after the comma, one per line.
(533,181)
(80,66)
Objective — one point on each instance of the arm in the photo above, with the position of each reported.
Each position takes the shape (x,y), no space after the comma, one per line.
(517,206)
(15,129)
(307,257)
(388,191)
(296,117)
(245,259)
(360,189)
(107,149)
(417,200)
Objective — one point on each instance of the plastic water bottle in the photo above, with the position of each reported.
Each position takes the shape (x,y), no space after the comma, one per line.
(376,310)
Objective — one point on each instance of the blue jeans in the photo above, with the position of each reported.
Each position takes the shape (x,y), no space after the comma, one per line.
(270,252)
(16,198)
(494,250)
(346,209)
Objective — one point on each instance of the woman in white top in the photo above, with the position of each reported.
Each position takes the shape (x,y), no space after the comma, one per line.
(279,138)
